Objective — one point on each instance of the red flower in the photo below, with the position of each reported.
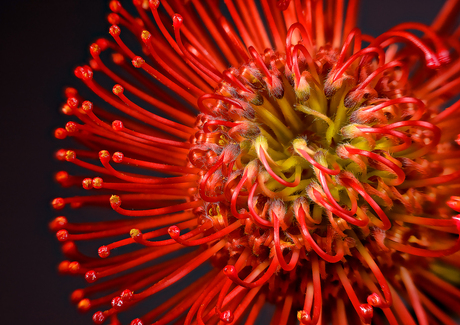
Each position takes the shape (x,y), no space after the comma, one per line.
(319,175)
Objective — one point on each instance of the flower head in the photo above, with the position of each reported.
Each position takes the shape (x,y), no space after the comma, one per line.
(317,173)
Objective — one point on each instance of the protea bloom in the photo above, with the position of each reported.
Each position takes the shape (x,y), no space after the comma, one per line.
(314,167)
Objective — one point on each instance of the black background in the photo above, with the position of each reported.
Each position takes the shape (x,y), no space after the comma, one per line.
(41,42)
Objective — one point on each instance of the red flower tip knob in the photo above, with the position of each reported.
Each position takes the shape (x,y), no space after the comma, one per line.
(443,56)
(102,43)
(230,270)
(97,182)
(137,61)
(58,203)
(70,92)
(94,49)
(60,133)
(454,203)
(303,317)
(117,157)
(115,6)
(62,177)
(115,201)
(376,301)
(283,4)
(154,4)
(62,235)
(77,296)
(74,267)
(90,276)
(146,36)
(138,3)
(177,21)
(70,155)
(60,154)
(117,125)
(127,295)
(366,312)
(58,223)
(69,248)
(137,321)
(226,316)
(66,110)
(114,30)
(98,317)
(63,267)
(117,302)
(104,156)
(103,252)
(174,231)
(135,233)
(87,183)
(87,106)
(113,18)
(118,89)
(84,305)
(84,73)
(432,62)
(72,102)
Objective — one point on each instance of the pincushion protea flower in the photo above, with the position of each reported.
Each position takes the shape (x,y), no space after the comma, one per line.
(320,173)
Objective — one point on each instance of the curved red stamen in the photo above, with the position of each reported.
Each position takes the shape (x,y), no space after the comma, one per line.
(217,122)
(339,213)
(140,238)
(315,293)
(364,311)
(326,170)
(261,64)
(426,252)
(174,232)
(156,212)
(403,100)
(256,218)
(441,50)
(381,69)
(395,168)
(431,59)
(231,272)
(358,188)
(189,58)
(356,34)
(427,125)
(344,67)
(305,37)
(227,100)
(374,299)
(300,216)
(323,181)
(149,43)
(121,128)
(382,130)
(278,251)
(310,62)
(204,181)
(235,195)
(230,78)
(182,271)
(233,38)
(446,113)
(264,161)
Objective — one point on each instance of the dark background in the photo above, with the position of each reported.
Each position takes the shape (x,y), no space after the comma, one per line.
(41,43)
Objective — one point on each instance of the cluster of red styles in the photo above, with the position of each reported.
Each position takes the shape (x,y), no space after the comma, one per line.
(314,168)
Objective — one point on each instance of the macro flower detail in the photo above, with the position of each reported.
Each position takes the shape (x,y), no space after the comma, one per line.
(312,166)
